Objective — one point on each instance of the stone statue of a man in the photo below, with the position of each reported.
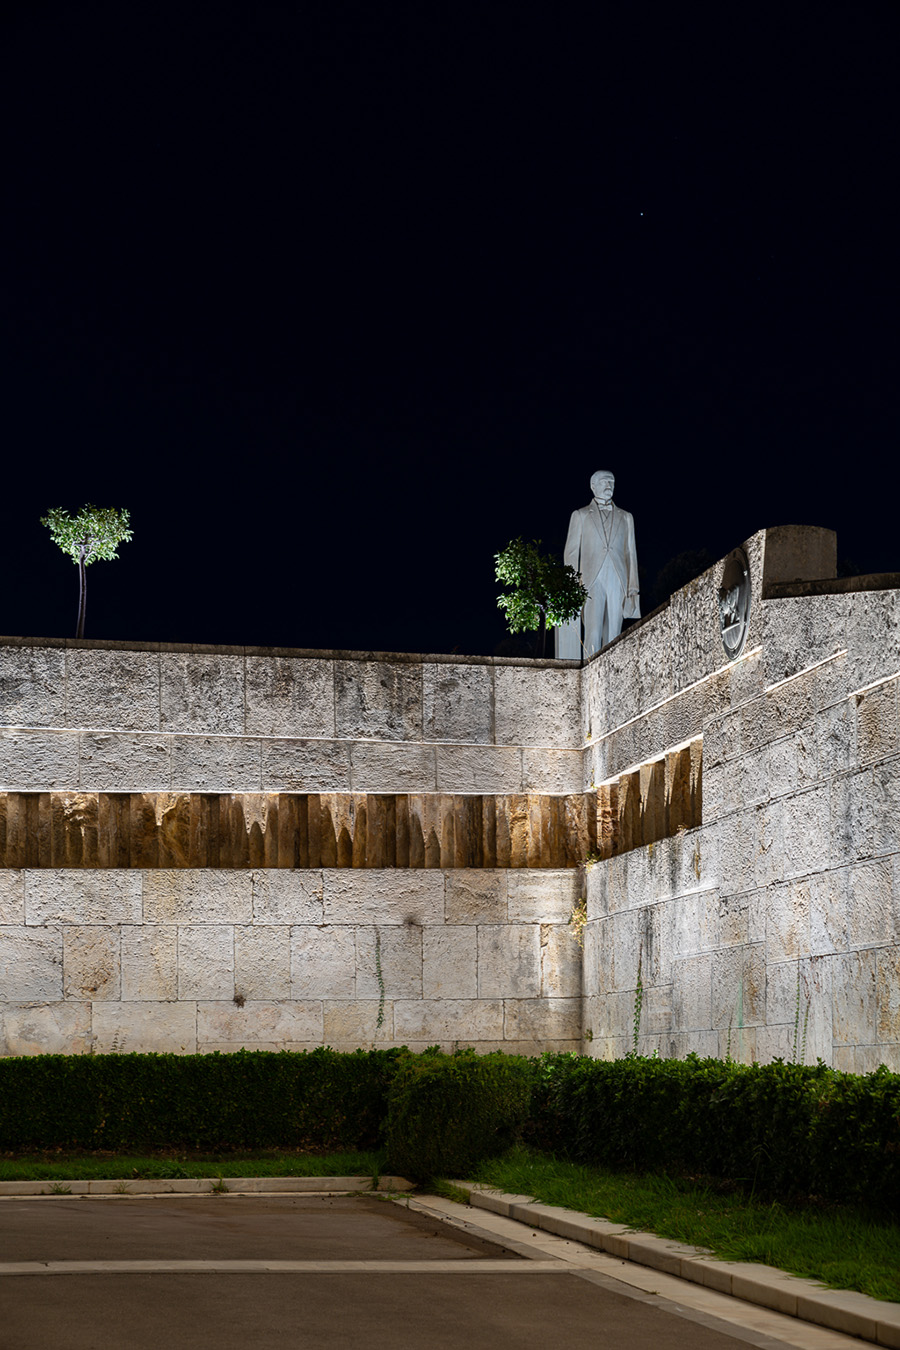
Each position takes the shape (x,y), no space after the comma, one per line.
(600,546)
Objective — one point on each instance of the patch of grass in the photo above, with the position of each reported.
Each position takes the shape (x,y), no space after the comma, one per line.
(844,1247)
(115,1167)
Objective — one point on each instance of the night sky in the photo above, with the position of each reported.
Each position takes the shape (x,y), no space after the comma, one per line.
(339,298)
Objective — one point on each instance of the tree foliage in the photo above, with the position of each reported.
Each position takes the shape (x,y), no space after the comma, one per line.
(95,532)
(544,592)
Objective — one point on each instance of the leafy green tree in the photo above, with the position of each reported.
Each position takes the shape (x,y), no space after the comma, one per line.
(95,532)
(545,592)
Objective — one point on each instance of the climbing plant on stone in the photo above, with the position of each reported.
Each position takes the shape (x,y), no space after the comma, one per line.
(95,532)
(546,592)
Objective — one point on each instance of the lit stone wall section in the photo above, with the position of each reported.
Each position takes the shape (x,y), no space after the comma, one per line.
(183,960)
(772,929)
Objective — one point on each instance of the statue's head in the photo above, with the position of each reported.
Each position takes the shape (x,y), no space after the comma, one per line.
(602,484)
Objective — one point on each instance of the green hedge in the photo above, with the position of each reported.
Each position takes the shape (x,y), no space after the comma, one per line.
(447,1113)
(252,1099)
(779,1128)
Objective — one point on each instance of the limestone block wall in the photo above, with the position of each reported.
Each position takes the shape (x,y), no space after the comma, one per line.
(772,928)
(387,849)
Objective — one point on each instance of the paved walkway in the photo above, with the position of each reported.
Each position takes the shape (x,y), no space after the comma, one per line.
(250,1272)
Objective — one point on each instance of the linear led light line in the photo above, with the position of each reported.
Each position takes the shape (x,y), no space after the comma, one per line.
(855,693)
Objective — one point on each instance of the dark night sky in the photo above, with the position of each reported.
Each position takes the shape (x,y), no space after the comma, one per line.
(338,298)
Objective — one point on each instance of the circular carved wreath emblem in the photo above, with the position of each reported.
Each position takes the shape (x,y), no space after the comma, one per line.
(734,603)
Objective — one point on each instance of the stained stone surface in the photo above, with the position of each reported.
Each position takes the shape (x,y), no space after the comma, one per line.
(201,693)
(116,689)
(378,700)
(458,703)
(289,696)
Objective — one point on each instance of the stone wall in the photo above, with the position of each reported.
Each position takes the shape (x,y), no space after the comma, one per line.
(213,848)
(770,929)
(123,767)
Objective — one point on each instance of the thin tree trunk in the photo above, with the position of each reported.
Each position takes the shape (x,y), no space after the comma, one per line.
(82,595)
(541,644)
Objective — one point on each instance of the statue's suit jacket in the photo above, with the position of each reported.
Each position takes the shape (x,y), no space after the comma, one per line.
(609,600)
(586,550)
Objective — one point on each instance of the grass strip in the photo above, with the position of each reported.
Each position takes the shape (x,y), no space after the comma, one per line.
(842,1246)
(127,1167)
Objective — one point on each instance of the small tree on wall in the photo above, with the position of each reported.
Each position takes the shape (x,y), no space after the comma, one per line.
(95,532)
(545,592)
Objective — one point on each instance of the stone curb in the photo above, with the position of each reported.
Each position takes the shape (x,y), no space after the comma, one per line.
(839,1309)
(205,1186)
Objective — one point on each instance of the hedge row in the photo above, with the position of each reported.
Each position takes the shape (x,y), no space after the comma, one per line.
(779,1128)
(251,1099)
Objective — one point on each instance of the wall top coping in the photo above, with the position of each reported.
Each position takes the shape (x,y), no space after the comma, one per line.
(217,649)
(870,581)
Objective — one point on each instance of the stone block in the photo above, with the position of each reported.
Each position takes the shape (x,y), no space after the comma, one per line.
(652,660)
(593,887)
(323,962)
(656,1009)
(537,895)
(871,824)
(791,765)
(476,896)
(70,896)
(262,962)
(448,1019)
(348,1025)
(872,635)
(91,963)
(787,921)
(870,904)
(722,738)
(12,896)
(681,718)
(854,1006)
(383,895)
(861,1059)
(118,762)
(449,962)
(692,994)
(378,700)
(801,631)
(215,764)
(552,771)
(145,1028)
(289,696)
(305,766)
(542,1019)
(488,768)
(32,686)
(399,951)
(509,961)
(622,693)
(835,728)
(732,922)
(38,761)
(594,714)
(745,678)
(380,766)
(198,895)
(538,706)
(560,962)
(259,1022)
(45,1029)
(31,964)
(202,692)
(695,922)
(828,906)
(206,961)
(458,703)
(149,963)
(696,643)
(115,689)
(877,722)
(285,895)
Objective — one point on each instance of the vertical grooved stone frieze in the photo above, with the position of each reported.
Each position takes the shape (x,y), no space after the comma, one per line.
(258,830)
